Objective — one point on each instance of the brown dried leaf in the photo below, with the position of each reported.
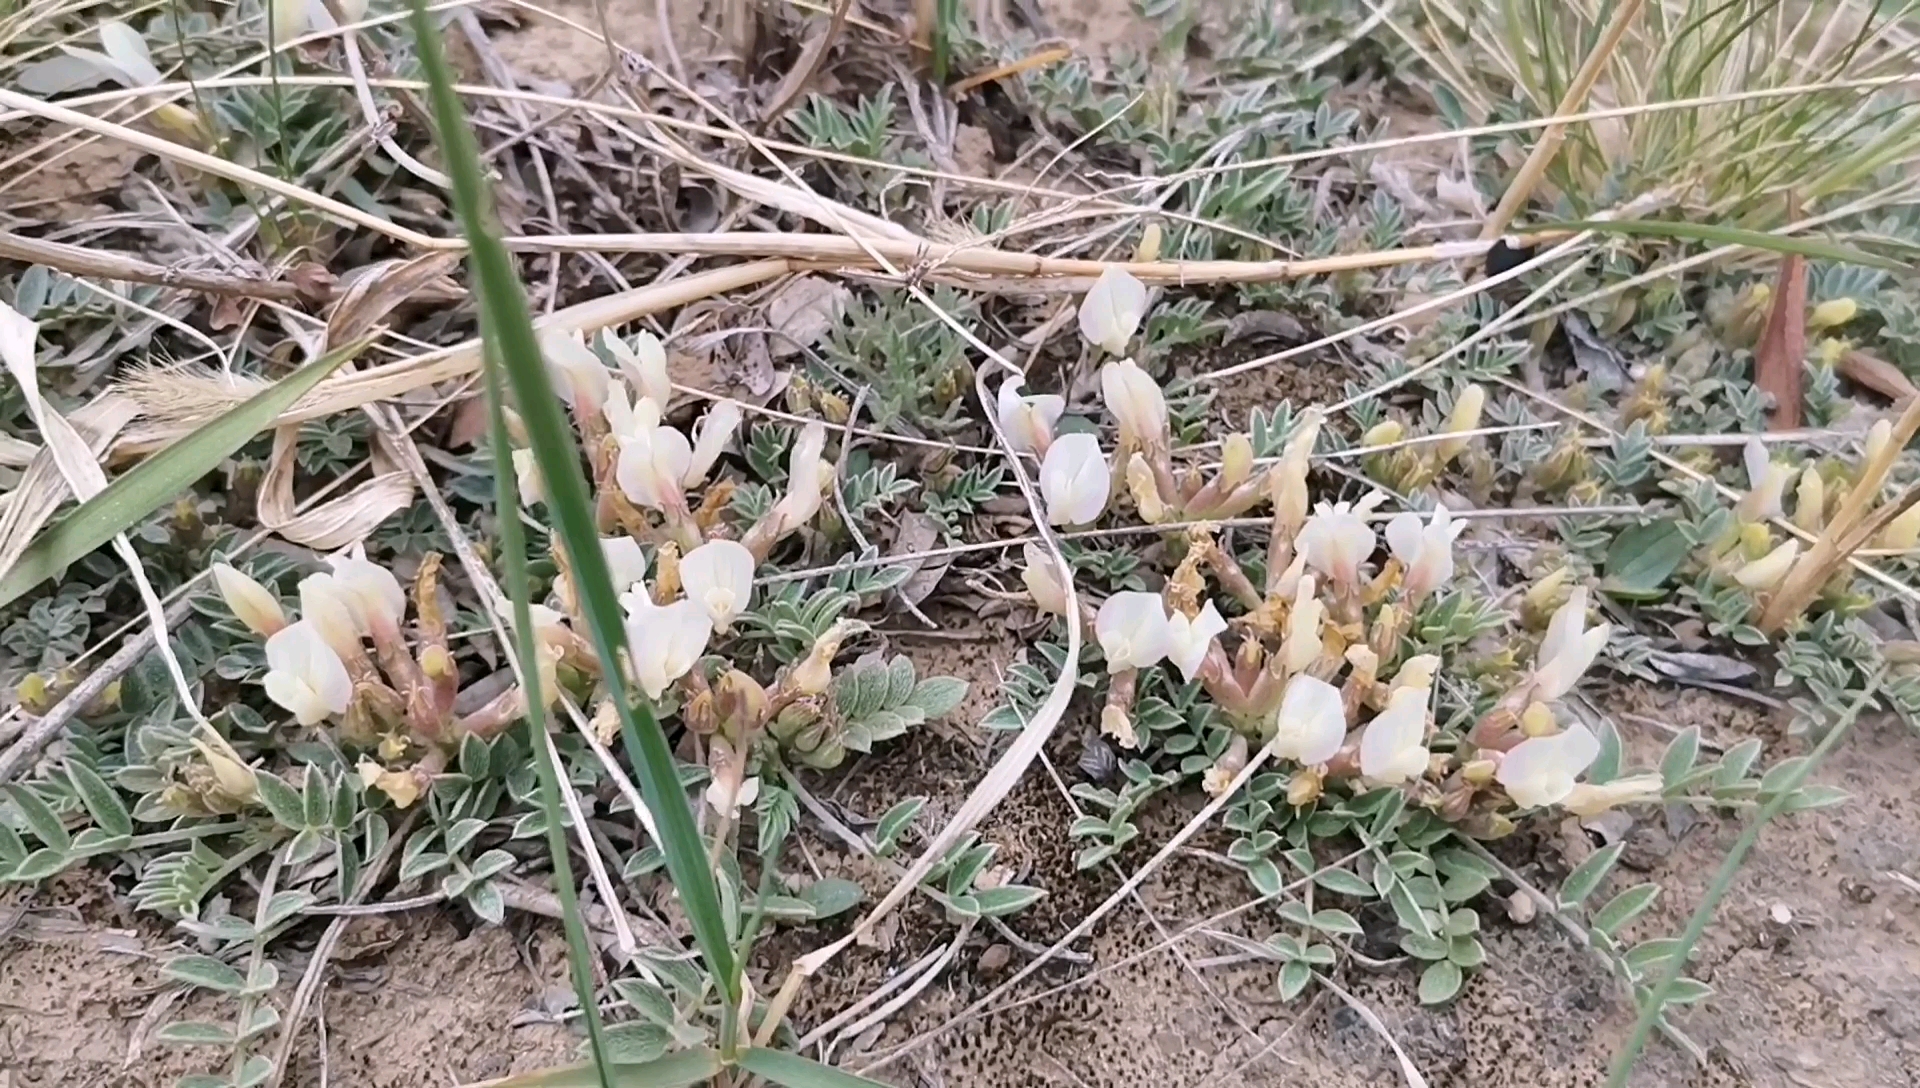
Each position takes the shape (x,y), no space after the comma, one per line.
(1878,375)
(802,311)
(1779,362)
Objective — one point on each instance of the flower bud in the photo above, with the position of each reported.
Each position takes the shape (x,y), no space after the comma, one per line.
(1766,573)
(1043,581)
(1145,491)
(1115,723)
(1112,309)
(252,603)
(1236,461)
(1903,532)
(1304,787)
(1465,417)
(1136,403)
(1832,314)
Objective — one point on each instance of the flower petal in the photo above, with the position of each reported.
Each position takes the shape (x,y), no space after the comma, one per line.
(1312,722)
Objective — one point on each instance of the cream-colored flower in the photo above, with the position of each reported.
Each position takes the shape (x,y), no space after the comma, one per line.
(1028,421)
(324,605)
(644,364)
(1132,630)
(1903,532)
(653,462)
(1075,480)
(626,563)
(718,576)
(579,376)
(1189,639)
(1810,501)
(370,590)
(1393,745)
(1338,538)
(1766,482)
(1464,417)
(1312,722)
(252,603)
(1112,309)
(1568,648)
(1145,491)
(1587,800)
(1540,771)
(710,441)
(1288,482)
(807,478)
(1766,572)
(1043,580)
(1115,723)
(527,479)
(1303,644)
(305,676)
(664,641)
(1426,551)
(1136,403)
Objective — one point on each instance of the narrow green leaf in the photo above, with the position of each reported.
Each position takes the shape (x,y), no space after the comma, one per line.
(939,695)
(102,802)
(1624,908)
(141,490)
(636,1042)
(1680,755)
(513,351)
(1816,796)
(1735,764)
(204,971)
(255,1070)
(677,1070)
(1583,880)
(999,902)
(833,895)
(1686,991)
(1336,921)
(1716,234)
(1342,882)
(41,864)
(41,819)
(282,800)
(195,1033)
(795,1071)
(12,850)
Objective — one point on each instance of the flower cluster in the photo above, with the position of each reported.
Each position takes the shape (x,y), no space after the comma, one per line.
(1301,667)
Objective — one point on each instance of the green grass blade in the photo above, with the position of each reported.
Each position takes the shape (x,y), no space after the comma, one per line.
(141,490)
(513,540)
(508,325)
(678,1070)
(1732,236)
(795,1071)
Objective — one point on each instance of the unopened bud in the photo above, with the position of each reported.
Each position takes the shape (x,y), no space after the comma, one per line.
(1810,501)
(1465,418)
(1832,313)
(1537,720)
(1304,787)
(252,603)
(1479,772)
(1543,597)
(1236,461)
(1149,248)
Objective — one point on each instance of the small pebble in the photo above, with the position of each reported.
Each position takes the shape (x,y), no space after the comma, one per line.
(994,958)
(1781,915)
(1521,908)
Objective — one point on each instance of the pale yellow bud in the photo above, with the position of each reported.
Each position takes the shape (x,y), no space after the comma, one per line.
(232,774)
(1304,787)
(1810,501)
(1537,720)
(1236,461)
(1465,418)
(1479,772)
(1878,436)
(1384,433)
(1149,248)
(1146,492)
(1832,313)
(1903,532)
(1766,572)
(252,603)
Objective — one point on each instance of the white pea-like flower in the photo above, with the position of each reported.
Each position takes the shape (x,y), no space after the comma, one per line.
(1043,580)
(1425,550)
(305,676)
(1136,403)
(644,364)
(1393,745)
(1303,645)
(653,461)
(370,590)
(626,563)
(1766,572)
(1132,629)
(527,479)
(579,376)
(1028,421)
(806,478)
(1111,311)
(1338,538)
(1569,647)
(1312,723)
(1540,771)
(1766,483)
(1188,639)
(252,603)
(1075,480)
(323,604)
(663,640)
(710,441)
(727,801)
(1588,800)
(718,576)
